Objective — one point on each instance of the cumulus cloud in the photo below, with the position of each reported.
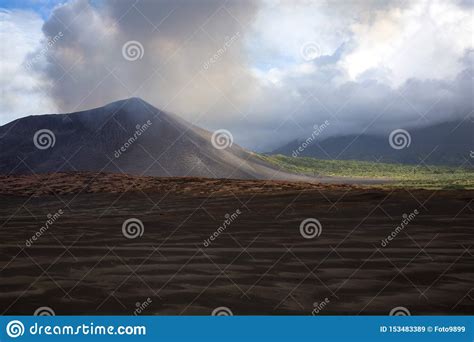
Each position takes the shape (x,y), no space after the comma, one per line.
(241,65)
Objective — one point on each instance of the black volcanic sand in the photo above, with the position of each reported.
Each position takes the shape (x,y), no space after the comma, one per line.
(259,265)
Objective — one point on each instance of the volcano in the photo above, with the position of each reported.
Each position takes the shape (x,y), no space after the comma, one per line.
(129,136)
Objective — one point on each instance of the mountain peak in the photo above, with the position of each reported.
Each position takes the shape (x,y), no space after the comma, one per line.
(131,101)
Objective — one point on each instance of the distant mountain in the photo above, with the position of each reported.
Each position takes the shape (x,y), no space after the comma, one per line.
(129,136)
(448,143)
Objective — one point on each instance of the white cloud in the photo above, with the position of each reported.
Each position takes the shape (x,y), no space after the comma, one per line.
(24,92)
(425,41)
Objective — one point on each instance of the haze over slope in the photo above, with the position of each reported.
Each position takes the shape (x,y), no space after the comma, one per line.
(89,141)
(448,143)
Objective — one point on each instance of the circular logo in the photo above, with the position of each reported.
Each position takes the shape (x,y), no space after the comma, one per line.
(310,228)
(15,329)
(222,311)
(44,311)
(400,311)
(132,228)
(133,50)
(221,139)
(310,51)
(399,139)
(44,139)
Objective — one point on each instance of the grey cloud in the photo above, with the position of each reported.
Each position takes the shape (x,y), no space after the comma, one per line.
(366,106)
(465,3)
(87,69)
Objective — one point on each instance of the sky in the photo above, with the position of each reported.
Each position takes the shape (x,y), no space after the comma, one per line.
(266,70)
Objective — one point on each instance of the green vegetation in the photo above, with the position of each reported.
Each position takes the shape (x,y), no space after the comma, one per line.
(419,176)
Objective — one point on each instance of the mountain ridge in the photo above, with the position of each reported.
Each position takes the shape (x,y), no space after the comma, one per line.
(447,143)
